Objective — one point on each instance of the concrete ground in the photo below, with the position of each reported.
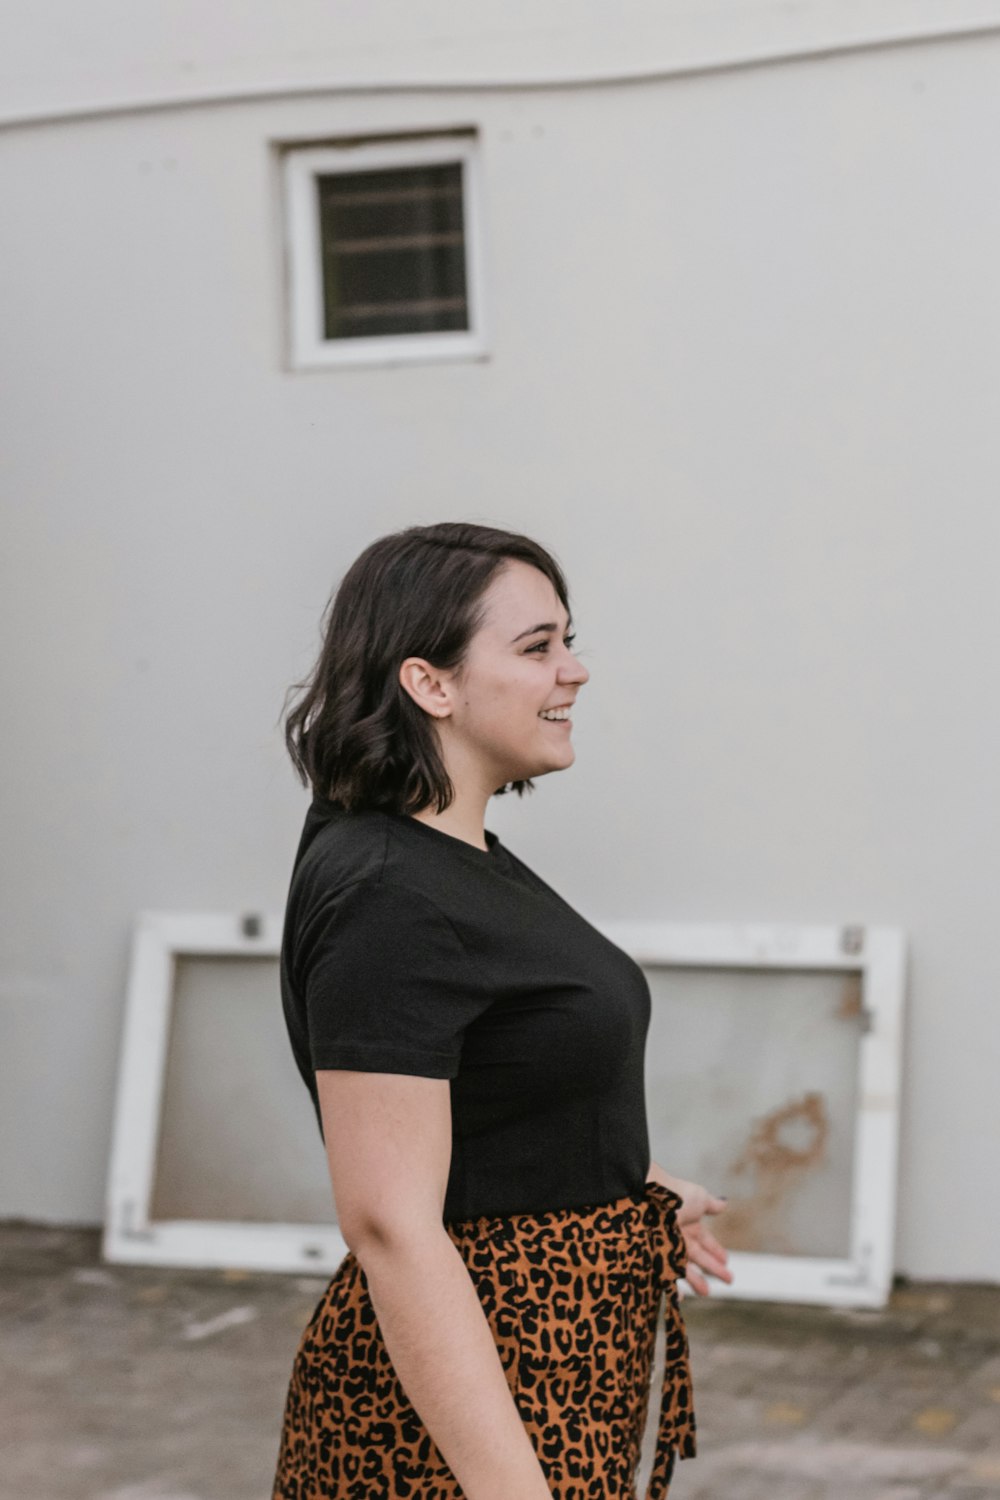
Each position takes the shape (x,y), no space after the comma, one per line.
(127,1383)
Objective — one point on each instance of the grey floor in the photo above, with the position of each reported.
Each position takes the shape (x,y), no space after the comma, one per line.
(143,1384)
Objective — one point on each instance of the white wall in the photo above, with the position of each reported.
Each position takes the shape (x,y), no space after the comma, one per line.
(61,57)
(744,381)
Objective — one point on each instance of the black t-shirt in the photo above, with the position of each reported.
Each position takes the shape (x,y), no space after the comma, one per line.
(408,950)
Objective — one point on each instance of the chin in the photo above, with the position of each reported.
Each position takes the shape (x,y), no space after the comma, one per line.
(545,770)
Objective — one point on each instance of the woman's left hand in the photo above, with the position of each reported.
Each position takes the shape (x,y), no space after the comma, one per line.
(703,1249)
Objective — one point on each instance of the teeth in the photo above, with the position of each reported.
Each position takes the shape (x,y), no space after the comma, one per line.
(554,713)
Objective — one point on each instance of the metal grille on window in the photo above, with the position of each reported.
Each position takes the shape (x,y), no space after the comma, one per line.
(393,245)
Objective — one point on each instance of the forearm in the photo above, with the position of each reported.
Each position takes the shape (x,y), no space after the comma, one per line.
(442,1349)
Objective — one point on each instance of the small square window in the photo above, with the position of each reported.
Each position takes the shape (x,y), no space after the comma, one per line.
(384,252)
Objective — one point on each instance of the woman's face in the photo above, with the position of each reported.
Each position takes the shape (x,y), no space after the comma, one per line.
(519,664)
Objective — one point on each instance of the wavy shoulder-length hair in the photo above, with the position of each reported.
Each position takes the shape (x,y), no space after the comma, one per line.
(354,733)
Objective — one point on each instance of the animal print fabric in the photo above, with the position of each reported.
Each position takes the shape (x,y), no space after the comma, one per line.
(572,1298)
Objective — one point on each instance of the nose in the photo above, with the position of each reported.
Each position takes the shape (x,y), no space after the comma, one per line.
(572,669)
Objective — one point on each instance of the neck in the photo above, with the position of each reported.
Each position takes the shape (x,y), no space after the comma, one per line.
(465,815)
(462,819)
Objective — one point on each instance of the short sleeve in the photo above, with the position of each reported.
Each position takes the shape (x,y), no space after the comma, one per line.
(387,984)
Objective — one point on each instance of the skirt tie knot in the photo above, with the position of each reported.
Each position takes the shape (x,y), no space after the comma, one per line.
(676,1427)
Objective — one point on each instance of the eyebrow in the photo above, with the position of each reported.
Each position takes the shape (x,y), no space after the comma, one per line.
(550,627)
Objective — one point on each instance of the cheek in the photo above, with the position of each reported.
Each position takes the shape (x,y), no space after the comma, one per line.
(522,690)
(516,707)
(505,701)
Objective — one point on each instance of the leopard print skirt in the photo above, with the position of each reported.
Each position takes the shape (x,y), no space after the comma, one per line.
(572,1298)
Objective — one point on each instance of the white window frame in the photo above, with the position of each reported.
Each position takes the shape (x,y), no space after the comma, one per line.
(861,1279)
(864,1277)
(301,165)
(130,1236)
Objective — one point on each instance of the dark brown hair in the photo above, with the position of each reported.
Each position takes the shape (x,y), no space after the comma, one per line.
(354,733)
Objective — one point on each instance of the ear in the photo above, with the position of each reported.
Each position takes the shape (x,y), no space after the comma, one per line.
(429,688)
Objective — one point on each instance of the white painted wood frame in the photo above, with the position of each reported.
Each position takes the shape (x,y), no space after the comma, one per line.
(877,954)
(301,165)
(862,1279)
(159,938)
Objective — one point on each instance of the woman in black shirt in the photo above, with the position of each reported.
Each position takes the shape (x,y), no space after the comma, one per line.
(474,1051)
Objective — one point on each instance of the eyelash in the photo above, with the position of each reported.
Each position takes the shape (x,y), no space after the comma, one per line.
(567,641)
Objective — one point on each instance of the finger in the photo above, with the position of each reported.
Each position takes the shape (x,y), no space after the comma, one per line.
(710,1255)
(714,1266)
(704,1239)
(697,1282)
(711,1243)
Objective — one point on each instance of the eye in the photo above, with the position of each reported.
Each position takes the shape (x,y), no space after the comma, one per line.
(542,646)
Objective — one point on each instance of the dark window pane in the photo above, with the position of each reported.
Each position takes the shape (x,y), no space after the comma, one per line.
(393,246)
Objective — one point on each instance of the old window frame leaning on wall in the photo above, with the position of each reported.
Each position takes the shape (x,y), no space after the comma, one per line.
(876,954)
(302,168)
(130,1236)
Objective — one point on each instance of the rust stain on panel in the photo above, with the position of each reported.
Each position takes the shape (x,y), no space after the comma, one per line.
(784,1145)
(850,1005)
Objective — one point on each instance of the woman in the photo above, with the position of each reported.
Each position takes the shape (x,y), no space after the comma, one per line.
(474,1051)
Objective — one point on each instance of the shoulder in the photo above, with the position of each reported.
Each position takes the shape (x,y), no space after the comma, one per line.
(338,849)
(348,879)
(377,928)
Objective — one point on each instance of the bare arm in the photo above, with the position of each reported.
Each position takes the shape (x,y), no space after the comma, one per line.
(389,1148)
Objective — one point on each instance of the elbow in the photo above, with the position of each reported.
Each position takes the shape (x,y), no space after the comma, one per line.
(361,1231)
(377,1237)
